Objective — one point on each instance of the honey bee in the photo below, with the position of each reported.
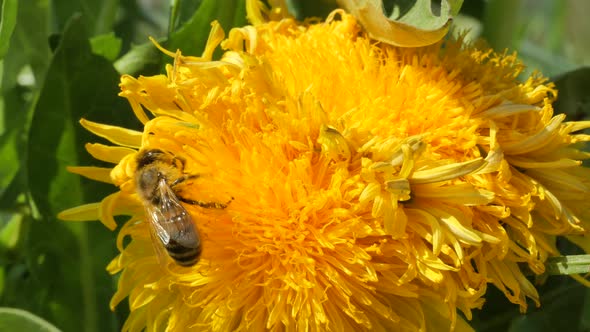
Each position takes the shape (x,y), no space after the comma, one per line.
(157,176)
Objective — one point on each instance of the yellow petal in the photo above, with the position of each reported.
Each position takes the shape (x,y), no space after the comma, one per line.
(434,275)
(455,226)
(447,172)
(531,163)
(574,126)
(86,212)
(427,257)
(117,135)
(245,37)
(416,146)
(257,12)
(493,160)
(430,220)
(487,237)
(110,154)
(559,179)
(370,192)
(525,285)
(101,174)
(508,109)
(140,297)
(463,194)
(135,105)
(123,171)
(124,287)
(495,156)
(216,35)
(107,210)
(409,161)
(395,221)
(536,141)
(495,210)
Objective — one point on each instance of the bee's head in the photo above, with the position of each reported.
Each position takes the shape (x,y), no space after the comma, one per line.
(147,182)
(148,157)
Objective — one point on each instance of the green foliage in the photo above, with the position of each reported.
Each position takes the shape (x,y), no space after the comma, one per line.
(52,273)
(20,320)
(571,264)
(574,99)
(77,84)
(107,45)
(562,309)
(7,23)
(549,35)
(192,36)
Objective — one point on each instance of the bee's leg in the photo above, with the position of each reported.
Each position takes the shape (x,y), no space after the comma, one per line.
(206,205)
(183,178)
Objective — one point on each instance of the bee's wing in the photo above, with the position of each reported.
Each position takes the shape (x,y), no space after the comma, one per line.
(170,220)
(158,234)
(160,216)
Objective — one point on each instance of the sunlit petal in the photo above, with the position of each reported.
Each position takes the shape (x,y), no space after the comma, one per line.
(117,135)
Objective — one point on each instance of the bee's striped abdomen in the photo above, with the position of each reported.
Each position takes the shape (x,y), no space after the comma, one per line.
(182,255)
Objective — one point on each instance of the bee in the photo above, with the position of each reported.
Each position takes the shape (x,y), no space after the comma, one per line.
(157,177)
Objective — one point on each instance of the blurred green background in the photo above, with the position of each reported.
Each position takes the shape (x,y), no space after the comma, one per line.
(61,61)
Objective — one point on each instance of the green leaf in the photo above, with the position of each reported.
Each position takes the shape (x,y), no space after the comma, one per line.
(2,281)
(561,302)
(192,36)
(573,97)
(560,310)
(10,155)
(474,8)
(418,13)
(311,8)
(70,258)
(12,319)
(585,314)
(99,16)
(571,264)
(503,24)
(138,58)
(10,232)
(78,84)
(411,23)
(23,67)
(29,43)
(65,279)
(107,45)
(180,12)
(7,24)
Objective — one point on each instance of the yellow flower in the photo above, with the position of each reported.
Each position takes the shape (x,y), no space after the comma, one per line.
(374,187)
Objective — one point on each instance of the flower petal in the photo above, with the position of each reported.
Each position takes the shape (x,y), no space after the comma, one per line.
(532,163)
(117,135)
(447,172)
(508,109)
(94,173)
(537,141)
(111,154)
(86,212)
(462,194)
(455,226)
